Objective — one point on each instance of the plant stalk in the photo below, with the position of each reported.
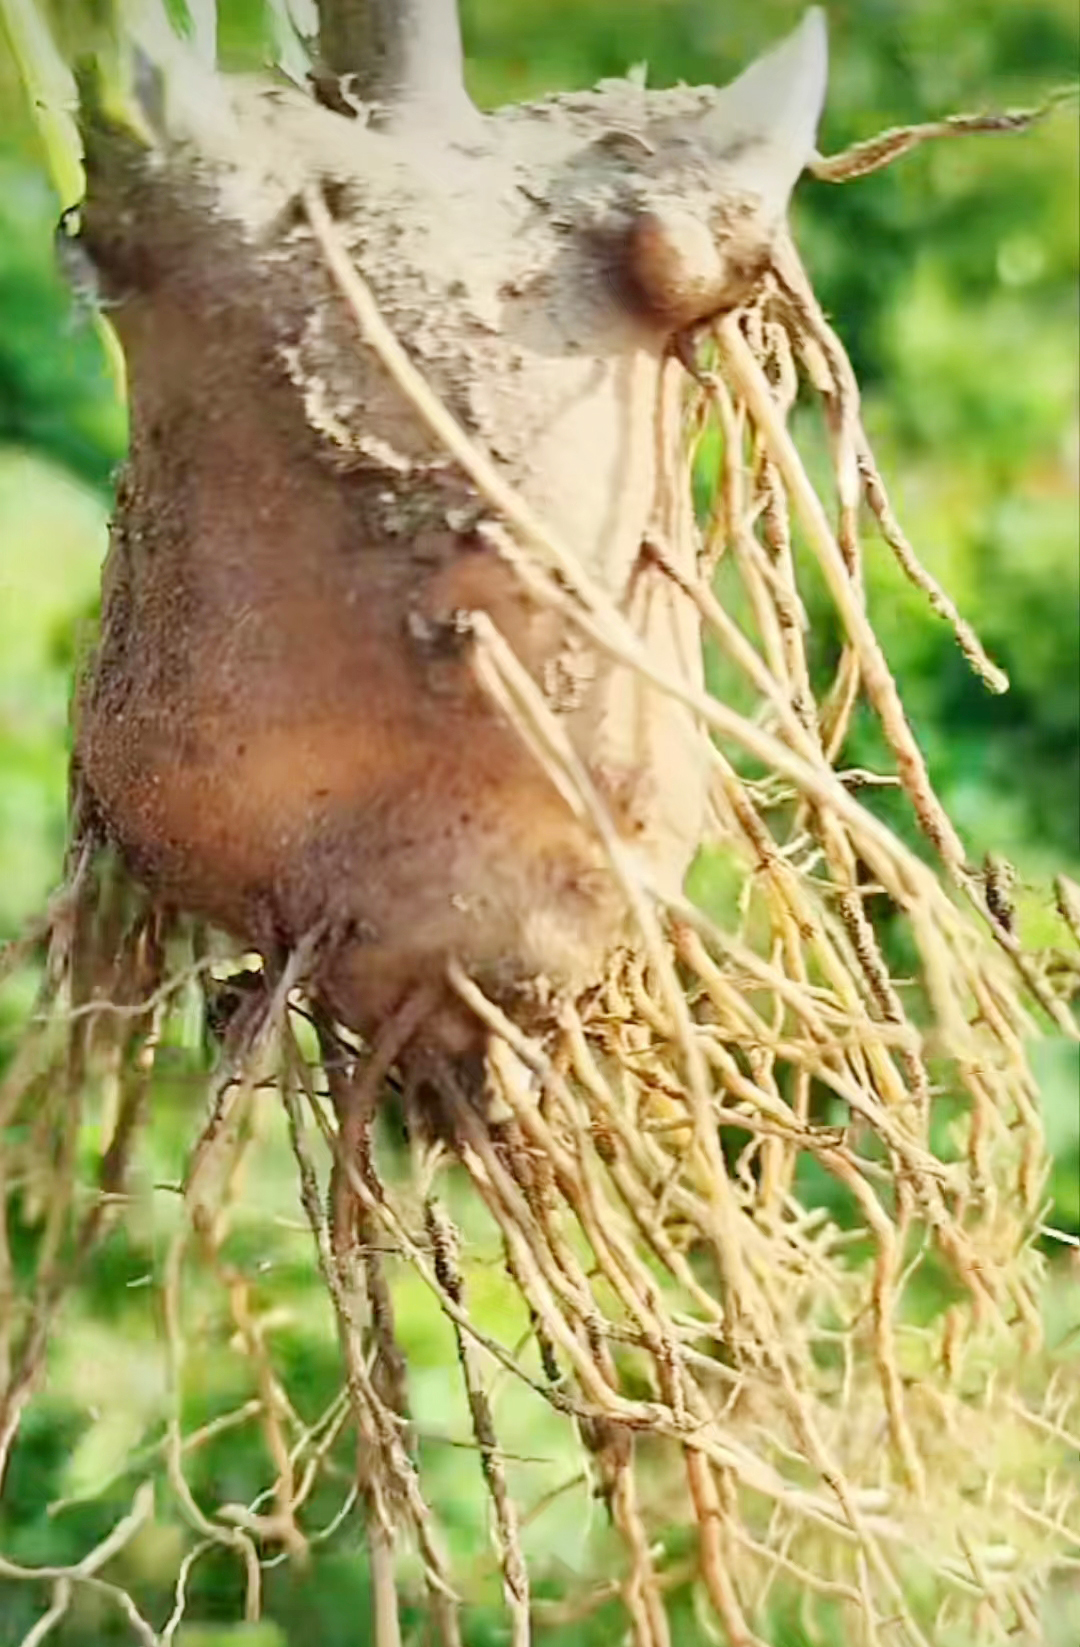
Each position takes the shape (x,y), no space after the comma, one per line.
(405,55)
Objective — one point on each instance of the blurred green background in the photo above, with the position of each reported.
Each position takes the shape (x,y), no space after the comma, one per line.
(953,279)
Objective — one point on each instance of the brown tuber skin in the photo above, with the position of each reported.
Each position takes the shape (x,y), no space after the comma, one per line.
(283,729)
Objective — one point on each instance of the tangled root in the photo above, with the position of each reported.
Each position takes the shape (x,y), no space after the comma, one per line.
(746,1235)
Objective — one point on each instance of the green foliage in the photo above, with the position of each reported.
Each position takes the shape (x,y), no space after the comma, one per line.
(57,396)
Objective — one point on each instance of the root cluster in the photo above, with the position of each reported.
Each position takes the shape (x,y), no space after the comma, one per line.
(760,1210)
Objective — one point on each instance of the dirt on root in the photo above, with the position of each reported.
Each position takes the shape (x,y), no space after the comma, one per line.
(283,728)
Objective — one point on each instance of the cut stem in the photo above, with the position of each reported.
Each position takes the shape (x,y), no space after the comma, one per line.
(404,55)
